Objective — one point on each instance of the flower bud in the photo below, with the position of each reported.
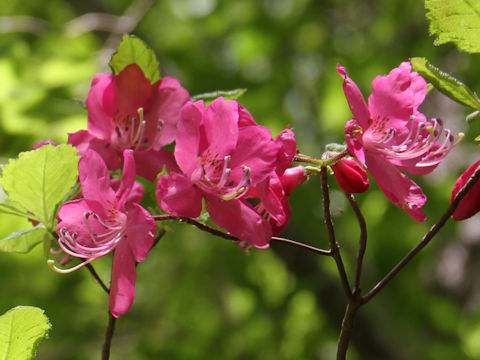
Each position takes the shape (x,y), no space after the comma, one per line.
(351,177)
(470,204)
(292,177)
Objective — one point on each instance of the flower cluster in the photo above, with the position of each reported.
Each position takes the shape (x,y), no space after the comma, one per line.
(226,163)
(221,156)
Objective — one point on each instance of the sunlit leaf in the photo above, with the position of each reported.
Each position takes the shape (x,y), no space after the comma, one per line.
(456,21)
(228,95)
(24,240)
(132,50)
(21,329)
(40,179)
(446,83)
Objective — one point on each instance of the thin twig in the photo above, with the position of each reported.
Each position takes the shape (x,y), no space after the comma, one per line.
(108,336)
(426,239)
(224,235)
(196,223)
(97,277)
(331,234)
(302,245)
(362,244)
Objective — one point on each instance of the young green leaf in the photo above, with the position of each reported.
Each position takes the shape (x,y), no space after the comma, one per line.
(38,180)
(227,94)
(132,50)
(23,241)
(456,21)
(21,329)
(446,83)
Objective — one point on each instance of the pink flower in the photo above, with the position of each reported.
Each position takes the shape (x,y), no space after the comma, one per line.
(107,219)
(470,204)
(390,135)
(223,155)
(126,111)
(275,199)
(351,177)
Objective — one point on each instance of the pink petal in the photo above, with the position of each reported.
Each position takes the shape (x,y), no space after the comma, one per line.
(135,195)
(353,138)
(244,117)
(167,102)
(255,149)
(221,127)
(177,196)
(188,136)
(396,96)
(101,104)
(128,177)
(240,220)
(122,289)
(397,187)
(84,140)
(271,196)
(95,178)
(355,98)
(141,229)
(150,163)
(288,148)
(132,90)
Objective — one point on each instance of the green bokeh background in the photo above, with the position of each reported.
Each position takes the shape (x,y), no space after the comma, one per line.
(200,297)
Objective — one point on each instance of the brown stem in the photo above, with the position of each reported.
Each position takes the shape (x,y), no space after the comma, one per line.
(335,249)
(97,277)
(426,238)
(108,336)
(363,242)
(347,327)
(224,235)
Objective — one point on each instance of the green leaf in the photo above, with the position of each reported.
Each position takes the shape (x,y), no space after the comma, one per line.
(227,94)
(21,329)
(23,241)
(132,50)
(457,21)
(39,180)
(446,83)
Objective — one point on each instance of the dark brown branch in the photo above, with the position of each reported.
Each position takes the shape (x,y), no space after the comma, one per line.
(95,275)
(362,244)
(331,234)
(426,238)
(224,235)
(346,330)
(108,336)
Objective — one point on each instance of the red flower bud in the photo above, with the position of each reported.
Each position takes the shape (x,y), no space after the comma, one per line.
(292,177)
(351,177)
(470,204)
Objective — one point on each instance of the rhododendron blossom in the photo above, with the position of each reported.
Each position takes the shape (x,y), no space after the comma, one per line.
(107,219)
(226,158)
(126,111)
(390,135)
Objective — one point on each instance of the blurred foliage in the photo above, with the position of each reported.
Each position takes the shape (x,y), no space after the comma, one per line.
(199,297)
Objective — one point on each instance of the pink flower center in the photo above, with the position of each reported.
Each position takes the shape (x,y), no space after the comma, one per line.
(214,176)
(131,132)
(420,141)
(104,236)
